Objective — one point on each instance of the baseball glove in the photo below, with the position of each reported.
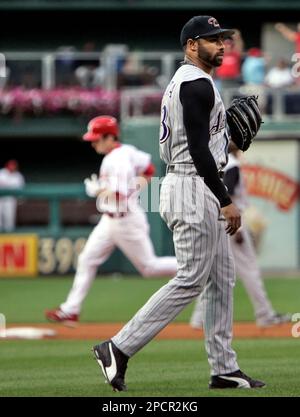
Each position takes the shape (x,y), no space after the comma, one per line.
(244,120)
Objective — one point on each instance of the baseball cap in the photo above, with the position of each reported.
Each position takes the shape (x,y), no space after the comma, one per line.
(254,52)
(201,27)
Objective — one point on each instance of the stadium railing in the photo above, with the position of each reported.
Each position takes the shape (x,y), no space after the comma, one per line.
(46,67)
(45,202)
(147,73)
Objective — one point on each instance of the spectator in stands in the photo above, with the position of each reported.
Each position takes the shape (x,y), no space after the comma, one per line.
(254,67)
(65,65)
(253,74)
(289,34)
(280,75)
(89,72)
(292,36)
(134,74)
(229,73)
(10,178)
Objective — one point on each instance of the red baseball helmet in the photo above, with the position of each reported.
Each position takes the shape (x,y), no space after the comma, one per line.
(101,125)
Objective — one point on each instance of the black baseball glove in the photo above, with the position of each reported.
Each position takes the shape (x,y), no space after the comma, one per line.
(244,120)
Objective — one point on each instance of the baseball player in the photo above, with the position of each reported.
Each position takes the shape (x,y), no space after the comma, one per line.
(244,256)
(198,209)
(123,223)
(10,177)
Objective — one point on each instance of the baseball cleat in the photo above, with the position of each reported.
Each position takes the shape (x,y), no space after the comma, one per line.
(235,379)
(113,364)
(277,318)
(58,316)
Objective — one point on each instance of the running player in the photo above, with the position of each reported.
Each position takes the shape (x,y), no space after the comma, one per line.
(123,223)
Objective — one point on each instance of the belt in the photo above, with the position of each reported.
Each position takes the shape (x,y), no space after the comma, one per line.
(172,168)
(115,215)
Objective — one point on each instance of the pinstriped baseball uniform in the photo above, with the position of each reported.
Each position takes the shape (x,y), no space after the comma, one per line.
(202,249)
(173,141)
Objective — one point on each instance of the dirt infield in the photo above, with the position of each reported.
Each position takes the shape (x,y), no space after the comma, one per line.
(101,331)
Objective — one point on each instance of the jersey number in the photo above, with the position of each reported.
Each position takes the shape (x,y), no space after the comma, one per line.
(164,128)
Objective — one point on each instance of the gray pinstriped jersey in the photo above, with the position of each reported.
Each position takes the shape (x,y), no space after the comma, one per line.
(173,139)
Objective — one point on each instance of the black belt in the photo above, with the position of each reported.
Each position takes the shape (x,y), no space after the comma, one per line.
(171,168)
(115,215)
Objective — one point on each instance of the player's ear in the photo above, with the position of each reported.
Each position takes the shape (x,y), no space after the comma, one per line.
(192,45)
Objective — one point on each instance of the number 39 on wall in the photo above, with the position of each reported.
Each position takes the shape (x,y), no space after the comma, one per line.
(59,256)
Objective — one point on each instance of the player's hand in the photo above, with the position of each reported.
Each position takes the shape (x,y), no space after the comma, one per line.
(92,185)
(233,218)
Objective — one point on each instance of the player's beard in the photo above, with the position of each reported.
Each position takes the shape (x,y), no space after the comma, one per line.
(207,58)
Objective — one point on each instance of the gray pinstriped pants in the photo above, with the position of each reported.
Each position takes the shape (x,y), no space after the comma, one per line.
(205,265)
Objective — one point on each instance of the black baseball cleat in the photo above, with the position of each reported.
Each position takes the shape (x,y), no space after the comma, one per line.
(113,364)
(235,379)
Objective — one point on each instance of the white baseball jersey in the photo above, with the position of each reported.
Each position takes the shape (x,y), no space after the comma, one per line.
(173,139)
(118,173)
(8,204)
(129,233)
(10,179)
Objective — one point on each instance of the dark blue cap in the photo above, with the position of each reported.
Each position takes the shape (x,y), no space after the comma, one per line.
(202,27)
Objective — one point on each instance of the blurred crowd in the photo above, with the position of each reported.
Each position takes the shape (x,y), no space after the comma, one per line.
(80,83)
(252,67)
(254,71)
(84,67)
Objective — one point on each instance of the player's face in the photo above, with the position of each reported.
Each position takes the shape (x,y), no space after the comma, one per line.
(211,50)
(104,145)
(99,146)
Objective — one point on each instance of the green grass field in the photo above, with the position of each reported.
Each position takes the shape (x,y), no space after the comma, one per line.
(163,368)
(116,299)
